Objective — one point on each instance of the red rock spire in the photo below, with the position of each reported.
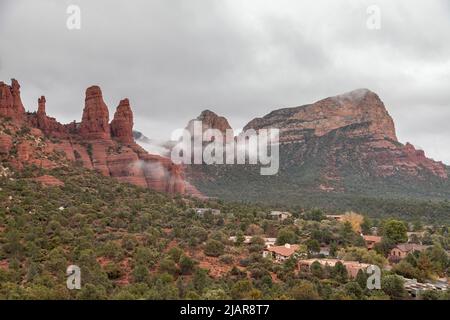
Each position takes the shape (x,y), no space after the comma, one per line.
(122,124)
(95,121)
(10,102)
(41,105)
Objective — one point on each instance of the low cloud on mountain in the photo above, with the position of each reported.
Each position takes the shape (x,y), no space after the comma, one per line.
(241,59)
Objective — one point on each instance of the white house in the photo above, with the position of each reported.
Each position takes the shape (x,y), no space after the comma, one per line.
(280,215)
(201,211)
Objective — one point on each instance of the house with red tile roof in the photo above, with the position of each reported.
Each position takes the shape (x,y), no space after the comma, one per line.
(280,253)
(400,251)
(371,241)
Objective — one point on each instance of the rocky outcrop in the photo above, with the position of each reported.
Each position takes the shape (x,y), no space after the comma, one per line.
(48,125)
(10,102)
(324,116)
(17,101)
(211,120)
(49,181)
(41,106)
(332,153)
(94,143)
(127,167)
(122,124)
(412,159)
(95,120)
(161,174)
(130,164)
(5,144)
(32,152)
(357,122)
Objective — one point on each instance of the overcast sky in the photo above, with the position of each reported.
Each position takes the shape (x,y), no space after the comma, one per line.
(240,58)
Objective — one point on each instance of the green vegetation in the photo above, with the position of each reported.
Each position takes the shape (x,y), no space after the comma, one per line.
(134,243)
(298,184)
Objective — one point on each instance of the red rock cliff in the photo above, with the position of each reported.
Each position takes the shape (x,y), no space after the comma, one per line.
(359,115)
(10,102)
(324,116)
(93,143)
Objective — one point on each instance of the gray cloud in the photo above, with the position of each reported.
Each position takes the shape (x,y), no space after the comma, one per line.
(242,59)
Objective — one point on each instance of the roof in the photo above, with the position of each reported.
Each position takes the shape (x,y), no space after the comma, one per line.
(248,239)
(408,247)
(352,266)
(372,238)
(323,262)
(203,210)
(334,217)
(277,213)
(413,284)
(418,233)
(287,250)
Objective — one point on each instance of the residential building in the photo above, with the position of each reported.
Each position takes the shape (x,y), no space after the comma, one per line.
(335,217)
(280,215)
(371,241)
(280,253)
(325,250)
(248,240)
(400,251)
(352,267)
(415,288)
(201,211)
(268,242)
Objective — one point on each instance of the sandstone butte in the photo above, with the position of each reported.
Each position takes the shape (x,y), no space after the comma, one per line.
(210,120)
(359,115)
(94,143)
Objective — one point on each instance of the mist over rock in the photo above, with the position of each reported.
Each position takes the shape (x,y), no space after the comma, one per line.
(210,120)
(359,118)
(355,107)
(340,146)
(94,143)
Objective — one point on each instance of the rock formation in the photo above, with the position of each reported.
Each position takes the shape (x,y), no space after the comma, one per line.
(5,144)
(122,124)
(95,120)
(94,143)
(359,106)
(360,116)
(10,102)
(340,147)
(47,125)
(210,120)
(49,181)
